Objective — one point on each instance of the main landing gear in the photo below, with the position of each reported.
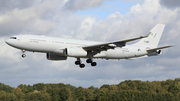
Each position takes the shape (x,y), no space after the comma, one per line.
(81,65)
(79,62)
(90,61)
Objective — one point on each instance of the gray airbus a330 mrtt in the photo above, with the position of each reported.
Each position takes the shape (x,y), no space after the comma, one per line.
(61,48)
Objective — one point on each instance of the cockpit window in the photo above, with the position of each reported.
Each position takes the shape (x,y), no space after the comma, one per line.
(13,38)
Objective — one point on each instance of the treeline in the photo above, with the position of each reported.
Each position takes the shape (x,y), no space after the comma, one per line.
(128,90)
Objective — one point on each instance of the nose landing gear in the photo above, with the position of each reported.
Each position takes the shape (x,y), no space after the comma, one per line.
(23,55)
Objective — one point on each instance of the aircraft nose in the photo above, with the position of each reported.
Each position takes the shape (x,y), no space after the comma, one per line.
(8,42)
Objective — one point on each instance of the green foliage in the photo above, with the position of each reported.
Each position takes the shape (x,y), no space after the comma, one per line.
(7,96)
(63,94)
(5,88)
(19,94)
(128,90)
(38,96)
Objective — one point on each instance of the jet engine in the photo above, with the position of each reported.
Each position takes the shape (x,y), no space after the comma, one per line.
(76,52)
(51,56)
(158,51)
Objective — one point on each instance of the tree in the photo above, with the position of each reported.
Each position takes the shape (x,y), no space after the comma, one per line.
(6,88)
(89,94)
(104,94)
(24,88)
(7,96)
(64,94)
(3,96)
(124,86)
(104,86)
(70,95)
(80,94)
(38,96)
(19,94)
(38,86)
(113,88)
(178,96)
(54,93)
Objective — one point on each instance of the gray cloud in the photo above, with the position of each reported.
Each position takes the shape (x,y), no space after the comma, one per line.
(82,4)
(7,5)
(36,19)
(170,3)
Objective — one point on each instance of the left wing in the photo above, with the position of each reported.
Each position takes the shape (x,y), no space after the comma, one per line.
(97,48)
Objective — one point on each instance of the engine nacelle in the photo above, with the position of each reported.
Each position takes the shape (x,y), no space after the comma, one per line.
(51,56)
(76,52)
(158,52)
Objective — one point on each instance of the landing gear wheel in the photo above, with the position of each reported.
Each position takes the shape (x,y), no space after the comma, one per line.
(82,65)
(77,62)
(23,55)
(89,61)
(93,64)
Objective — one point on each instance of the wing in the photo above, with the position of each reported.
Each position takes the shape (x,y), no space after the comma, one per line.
(97,48)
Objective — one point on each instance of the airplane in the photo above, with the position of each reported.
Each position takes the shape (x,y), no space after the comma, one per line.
(61,48)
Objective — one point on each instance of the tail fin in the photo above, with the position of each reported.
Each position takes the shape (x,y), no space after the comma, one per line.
(152,40)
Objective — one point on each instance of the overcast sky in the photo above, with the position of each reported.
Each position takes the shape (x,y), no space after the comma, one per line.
(100,20)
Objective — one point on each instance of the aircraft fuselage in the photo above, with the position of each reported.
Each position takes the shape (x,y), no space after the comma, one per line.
(36,43)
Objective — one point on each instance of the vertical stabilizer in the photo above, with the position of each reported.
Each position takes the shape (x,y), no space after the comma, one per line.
(153,39)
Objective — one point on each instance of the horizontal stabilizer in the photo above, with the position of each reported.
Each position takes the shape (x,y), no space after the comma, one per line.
(155,49)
